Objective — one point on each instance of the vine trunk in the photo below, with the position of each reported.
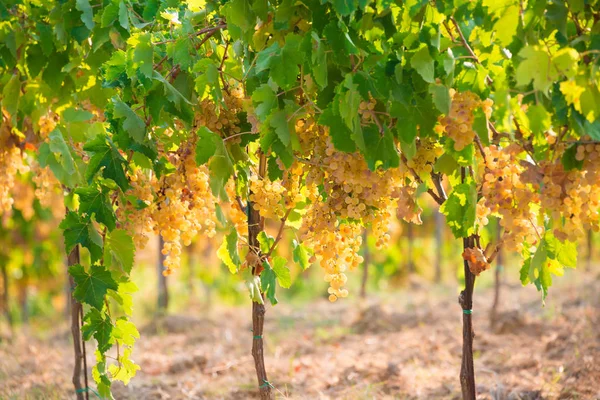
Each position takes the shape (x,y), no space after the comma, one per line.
(76,311)
(467,370)
(256,225)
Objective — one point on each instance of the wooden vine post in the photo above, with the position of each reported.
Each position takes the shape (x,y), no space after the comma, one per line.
(255,226)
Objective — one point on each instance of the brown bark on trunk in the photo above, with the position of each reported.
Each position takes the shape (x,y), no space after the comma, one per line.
(255,226)
(366,262)
(467,369)
(163,290)
(439,224)
(76,318)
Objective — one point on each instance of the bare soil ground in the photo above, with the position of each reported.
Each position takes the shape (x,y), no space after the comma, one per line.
(405,346)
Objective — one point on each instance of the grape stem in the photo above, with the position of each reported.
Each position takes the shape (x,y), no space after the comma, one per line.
(435,197)
(279,233)
(465,44)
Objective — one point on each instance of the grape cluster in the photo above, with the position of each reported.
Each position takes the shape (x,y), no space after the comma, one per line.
(458,124)
(343,193)
(136,218)
(572,198)
(507,193)
(272,199)
(223,119)
(184,204)
(11,163)
(428,150)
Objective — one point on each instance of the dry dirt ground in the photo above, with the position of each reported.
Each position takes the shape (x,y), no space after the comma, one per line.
(402,346)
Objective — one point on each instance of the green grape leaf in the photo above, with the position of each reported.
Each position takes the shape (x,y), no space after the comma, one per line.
(93,201)
(279,122)
(207,145)
(441,97)
(265,241)
(341,135)
(301,255)
(143,54)
(459,209)
(282,271)
(92,286)
(380,148)
(10,97)
(133,124)
(98,325)
(123,15)
(87,14)
(56,154)
(207,80)
(118,246)
(268,280)
(106,157)
(565,252)
(422,62)
(77,231)
(265,100)
(228,252)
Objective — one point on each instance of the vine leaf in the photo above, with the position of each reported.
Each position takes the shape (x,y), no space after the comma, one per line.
(98,325)
(228,252)
(92,286)
(282,272)
(133,124)
(422,62)
(301,255)
(268,280)
(459,209)
(119,247)
(380,148)
(126,369)
(77,231)
(95,202)
(107,157)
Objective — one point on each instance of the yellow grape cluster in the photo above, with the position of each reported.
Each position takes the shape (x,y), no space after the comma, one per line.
(11,164)
(47,188)
(23,195)
(458,124)
(366,110)
(572,198)
(185,205)
(137,219)
(222,119)
(342,192)
(47,123)
(428,150)
(273,199)
(267,197)
(507,193)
